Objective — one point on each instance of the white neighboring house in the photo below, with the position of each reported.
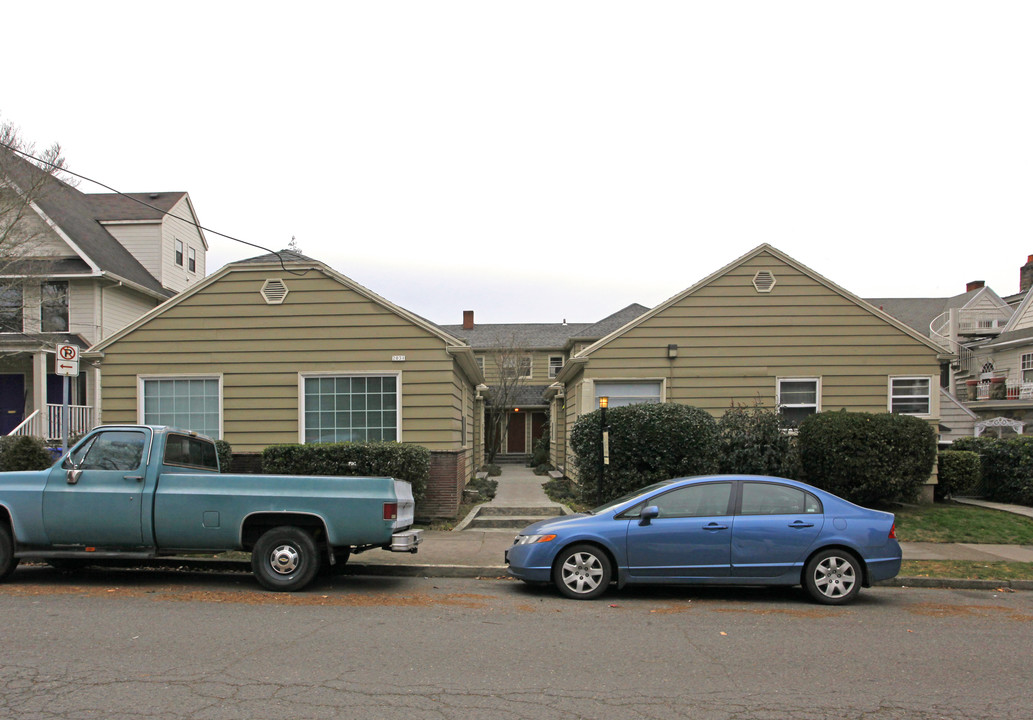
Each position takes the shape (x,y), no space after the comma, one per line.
(84,266)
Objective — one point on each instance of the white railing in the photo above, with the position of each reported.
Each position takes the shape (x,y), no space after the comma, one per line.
(29,426)
(948,326)
(80,421)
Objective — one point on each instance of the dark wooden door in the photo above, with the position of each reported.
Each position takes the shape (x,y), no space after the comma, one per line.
(515,441)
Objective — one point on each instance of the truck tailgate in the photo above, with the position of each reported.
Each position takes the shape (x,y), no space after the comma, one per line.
(406,505)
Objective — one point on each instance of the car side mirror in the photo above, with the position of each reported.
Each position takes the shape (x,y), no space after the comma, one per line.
(73,475)
(648,514)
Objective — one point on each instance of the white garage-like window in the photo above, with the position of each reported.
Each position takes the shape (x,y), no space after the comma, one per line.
(350,408)
(187,403)
(628,392)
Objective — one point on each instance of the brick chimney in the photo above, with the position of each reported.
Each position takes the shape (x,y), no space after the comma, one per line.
(467,319)
(975,285)
(1026,275)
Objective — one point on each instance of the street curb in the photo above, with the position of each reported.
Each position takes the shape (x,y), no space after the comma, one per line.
(435,571)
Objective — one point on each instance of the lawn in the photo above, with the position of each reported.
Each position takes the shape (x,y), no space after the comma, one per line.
(953,522)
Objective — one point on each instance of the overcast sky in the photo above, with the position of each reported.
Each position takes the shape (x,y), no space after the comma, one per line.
(537,161)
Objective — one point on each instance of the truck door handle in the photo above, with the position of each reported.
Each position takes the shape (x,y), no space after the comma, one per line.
(138,478)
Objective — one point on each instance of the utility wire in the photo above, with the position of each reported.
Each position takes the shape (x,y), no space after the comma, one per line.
(63,169)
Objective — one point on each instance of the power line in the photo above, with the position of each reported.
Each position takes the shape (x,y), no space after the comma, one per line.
(63,169)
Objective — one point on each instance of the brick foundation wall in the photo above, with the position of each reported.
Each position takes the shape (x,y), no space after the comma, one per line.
(445,485)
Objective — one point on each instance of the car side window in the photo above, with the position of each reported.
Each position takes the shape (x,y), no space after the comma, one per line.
(190,452)
(115,450)
(771,499)
(694,501)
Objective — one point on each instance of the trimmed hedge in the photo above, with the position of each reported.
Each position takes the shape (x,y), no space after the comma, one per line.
(225,453)
(867,458)
(756,441)
(648,443)
(1006,464)
(376,459)
(22,452)
(959,473)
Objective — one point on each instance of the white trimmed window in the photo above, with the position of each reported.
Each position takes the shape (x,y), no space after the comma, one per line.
(910,395)
(1027,368)
(628,393)
(179,253)
(555,365)
(516,366)
(186,403)
(191,260)
(350,408)
(798,398)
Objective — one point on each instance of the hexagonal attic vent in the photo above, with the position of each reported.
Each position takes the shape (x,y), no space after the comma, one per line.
(764,281)
(274,291)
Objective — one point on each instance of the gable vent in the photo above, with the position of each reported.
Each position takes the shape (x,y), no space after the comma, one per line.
(763,281)
(274,291)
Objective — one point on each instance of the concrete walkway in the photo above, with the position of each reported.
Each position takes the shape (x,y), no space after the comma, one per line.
(471,551)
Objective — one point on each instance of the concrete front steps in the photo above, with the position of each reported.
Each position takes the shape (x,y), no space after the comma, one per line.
(507,518)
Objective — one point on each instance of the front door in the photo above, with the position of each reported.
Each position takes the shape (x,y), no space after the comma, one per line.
(515,439)
(12,401)
(95,497)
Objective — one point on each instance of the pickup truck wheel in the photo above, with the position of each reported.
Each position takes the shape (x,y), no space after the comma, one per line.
(285,559)
(8,562)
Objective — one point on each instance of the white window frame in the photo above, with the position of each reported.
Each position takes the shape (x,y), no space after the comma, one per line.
(555,369)
(140,379)
(817,393)
(890,396)
(302,377)
(602,382)
(519,360)
(192,260)
(178,253)
(1027,367)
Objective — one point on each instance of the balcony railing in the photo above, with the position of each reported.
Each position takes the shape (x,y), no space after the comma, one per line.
(48,427)
(1013,389)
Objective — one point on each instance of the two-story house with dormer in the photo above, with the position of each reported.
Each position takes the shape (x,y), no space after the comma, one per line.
(76,268)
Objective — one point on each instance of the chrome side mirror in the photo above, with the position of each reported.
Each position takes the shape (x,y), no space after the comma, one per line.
(73,475)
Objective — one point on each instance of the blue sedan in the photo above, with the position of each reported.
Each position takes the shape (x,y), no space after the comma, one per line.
(714,530)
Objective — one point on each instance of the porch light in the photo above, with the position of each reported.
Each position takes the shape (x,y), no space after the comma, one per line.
(672,351)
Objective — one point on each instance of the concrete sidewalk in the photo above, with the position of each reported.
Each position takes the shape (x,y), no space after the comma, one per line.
(480,553)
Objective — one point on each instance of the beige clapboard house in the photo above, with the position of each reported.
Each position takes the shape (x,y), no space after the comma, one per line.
(264,352)
(763,329)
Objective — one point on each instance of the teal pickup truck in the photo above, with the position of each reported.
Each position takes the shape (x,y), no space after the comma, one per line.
(132,492)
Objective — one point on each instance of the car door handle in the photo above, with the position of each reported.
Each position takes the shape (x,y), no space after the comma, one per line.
(138,478)
(800,524)
(714,526)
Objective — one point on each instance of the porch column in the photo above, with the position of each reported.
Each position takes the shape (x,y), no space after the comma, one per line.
(92,398)
(39,391)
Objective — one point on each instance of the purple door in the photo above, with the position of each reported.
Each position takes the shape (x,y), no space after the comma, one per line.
(12,402)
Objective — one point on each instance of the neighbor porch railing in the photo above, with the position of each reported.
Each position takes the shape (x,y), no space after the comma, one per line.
(80,421)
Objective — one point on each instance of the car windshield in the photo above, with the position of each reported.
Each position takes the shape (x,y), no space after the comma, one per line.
(606,507)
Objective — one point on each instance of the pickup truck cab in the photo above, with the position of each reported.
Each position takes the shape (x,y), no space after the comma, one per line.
(140,492)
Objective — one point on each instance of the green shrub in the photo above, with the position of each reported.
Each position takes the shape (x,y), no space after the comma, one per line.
(225,452)
(959,473)
(492,470)
(486,488)
(376,459)
(867,458)
(648,443)
(1006,465)
(541,450)
(756,441)
(22,452)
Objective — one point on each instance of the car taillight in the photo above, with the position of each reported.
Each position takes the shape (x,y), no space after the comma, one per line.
(893,531)
(391,511)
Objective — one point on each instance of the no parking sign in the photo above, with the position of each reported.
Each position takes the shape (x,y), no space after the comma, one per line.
(67,361)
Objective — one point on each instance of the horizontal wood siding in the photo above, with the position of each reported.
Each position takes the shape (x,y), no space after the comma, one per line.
(143,240)
(177,277)
(260,350)
(120,307)
(734,343)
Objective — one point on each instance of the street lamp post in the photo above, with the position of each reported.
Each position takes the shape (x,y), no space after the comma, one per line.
(604,448)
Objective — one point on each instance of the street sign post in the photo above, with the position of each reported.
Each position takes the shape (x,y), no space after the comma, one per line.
(66,363)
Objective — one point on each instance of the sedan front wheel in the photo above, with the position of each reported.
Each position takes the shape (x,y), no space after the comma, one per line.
(582,572)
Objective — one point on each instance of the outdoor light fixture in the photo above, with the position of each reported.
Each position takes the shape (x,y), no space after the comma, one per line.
(604,402)
(672,351)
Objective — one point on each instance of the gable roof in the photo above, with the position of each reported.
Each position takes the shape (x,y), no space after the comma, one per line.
(543,336)
(301,263)
(71,214)
(778,254)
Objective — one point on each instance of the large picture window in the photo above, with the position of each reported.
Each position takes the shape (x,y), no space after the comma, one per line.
(53,306)
(798,398)
(350,408)
(184,403)
(910,395)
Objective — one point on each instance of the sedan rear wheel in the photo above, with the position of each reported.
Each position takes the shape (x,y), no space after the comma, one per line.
(582,572)
(833,577)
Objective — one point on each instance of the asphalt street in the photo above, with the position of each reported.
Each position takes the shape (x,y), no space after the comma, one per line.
(176,645)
